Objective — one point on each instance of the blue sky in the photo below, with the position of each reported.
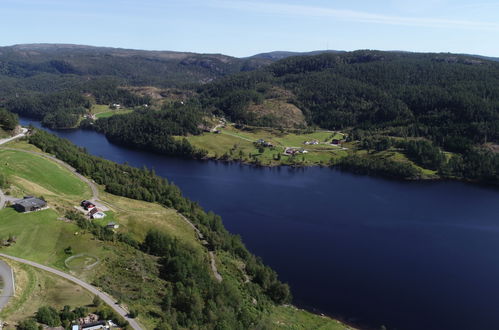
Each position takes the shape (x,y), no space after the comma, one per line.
(243,28)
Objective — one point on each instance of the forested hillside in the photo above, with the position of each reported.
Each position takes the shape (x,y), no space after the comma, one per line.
(451,101)
(53,67)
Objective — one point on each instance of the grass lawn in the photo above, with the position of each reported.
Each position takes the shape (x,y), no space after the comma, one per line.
(238,144)
(138,217)
(98,108)
(21,144)
(112,113)
(30,228)
(36,288)
(40,175)
(104,111)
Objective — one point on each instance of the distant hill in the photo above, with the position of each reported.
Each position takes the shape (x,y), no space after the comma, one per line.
(438,94)
(39,62)
(279,55)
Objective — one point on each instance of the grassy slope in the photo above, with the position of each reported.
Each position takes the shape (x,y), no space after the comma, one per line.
(47,175)
(219,144)
(36,288)
(143,290)
(104,111)
(3,134)
(231,142)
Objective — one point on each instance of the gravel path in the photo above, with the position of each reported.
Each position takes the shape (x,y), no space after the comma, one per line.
(20,135)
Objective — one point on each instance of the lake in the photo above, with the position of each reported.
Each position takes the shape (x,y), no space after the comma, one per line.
(408,255)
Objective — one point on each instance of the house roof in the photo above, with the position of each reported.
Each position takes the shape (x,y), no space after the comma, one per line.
(31,202)
(93,211)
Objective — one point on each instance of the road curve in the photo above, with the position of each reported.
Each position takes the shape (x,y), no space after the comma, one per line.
(106,298)
(8,284)
(20,135)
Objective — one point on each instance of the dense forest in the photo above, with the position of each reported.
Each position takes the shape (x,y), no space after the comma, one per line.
(155,130)
(8,120)
(195,299)
(65,109)
(442,97)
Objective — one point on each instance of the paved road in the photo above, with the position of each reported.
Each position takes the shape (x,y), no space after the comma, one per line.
(8,283)
(107,299)
(2,199)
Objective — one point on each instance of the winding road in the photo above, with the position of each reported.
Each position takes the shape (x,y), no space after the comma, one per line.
(8,284)
(106,298)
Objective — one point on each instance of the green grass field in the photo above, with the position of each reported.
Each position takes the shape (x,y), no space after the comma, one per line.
(40,175)
(104,111)
(42,238)
(238,145)
(113,113)
(98,108)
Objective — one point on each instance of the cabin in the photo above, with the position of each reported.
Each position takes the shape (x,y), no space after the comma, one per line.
(336,141)
(29,204)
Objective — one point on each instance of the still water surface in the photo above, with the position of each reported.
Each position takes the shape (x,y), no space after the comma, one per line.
(404,254)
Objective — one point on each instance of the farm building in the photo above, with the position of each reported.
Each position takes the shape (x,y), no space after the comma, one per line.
(87,205)
(98,215)
(28,204)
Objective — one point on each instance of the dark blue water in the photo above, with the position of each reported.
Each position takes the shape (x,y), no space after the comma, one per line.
(406,255)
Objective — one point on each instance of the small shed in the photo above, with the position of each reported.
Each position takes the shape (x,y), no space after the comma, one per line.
(113,225)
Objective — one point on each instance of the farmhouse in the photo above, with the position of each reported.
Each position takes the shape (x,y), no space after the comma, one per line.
(87,205)
(29,203)
(313,142)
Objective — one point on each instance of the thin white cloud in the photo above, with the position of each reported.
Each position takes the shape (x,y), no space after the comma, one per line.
(352,15)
